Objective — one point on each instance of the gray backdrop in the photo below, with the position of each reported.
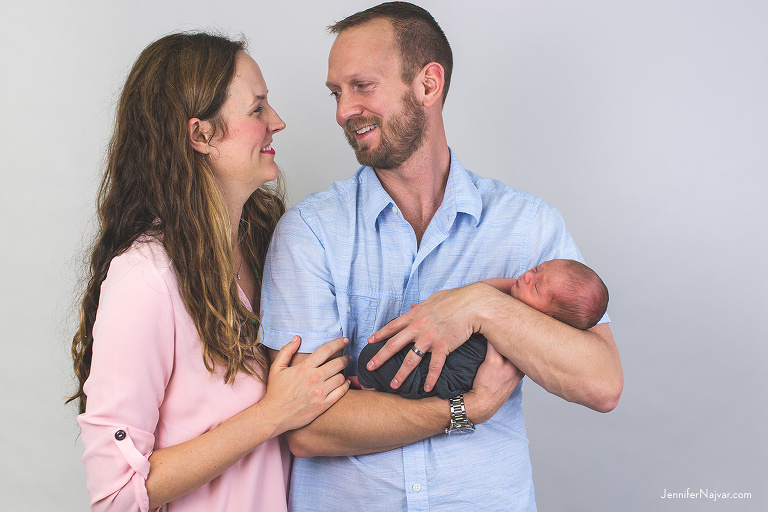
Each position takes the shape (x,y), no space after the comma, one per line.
(643,122)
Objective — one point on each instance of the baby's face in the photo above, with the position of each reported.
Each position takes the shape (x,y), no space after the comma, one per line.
(536,287)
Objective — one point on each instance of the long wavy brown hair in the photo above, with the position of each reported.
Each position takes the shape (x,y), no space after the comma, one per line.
(155,184)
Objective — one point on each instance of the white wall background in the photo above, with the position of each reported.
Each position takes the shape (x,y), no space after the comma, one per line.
(645,123)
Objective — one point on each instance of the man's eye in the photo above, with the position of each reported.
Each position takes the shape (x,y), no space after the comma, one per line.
(335,95)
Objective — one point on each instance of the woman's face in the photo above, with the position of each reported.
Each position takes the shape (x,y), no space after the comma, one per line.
(242,158)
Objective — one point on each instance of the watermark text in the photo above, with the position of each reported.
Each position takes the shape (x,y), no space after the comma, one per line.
(705,494)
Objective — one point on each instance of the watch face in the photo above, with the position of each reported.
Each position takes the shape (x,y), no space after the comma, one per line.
(462,430)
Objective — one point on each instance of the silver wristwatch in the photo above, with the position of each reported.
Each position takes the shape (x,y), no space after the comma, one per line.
(460,424)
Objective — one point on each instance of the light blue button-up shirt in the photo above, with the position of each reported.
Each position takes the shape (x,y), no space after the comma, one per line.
(346,262)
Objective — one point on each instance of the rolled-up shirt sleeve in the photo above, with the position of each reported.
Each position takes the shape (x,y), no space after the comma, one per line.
(133,352)
(298,295)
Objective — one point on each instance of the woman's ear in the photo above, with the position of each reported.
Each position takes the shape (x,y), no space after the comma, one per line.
(199,135)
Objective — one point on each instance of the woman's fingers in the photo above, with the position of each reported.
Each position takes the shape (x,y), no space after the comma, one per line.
(335,365)
(337,393)
(333,382)
(283,357)
(324,353)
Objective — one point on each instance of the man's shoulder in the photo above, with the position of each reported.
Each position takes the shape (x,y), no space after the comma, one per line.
(497,193)
(493,186)
(338,193)
(335,206)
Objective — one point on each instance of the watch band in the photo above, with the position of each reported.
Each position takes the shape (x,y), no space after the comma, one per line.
(460,423)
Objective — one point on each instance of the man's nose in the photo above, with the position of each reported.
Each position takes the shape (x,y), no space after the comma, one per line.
(346,108)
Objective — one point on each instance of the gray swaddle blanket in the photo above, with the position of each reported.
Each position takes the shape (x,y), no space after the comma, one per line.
(457,376)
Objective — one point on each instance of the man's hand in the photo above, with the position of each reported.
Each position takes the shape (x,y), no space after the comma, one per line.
(440,325)
(496,379)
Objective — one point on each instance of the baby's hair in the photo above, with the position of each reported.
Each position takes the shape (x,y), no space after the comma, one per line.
(583,300)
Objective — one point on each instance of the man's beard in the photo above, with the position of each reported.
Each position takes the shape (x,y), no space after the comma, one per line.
(399,138)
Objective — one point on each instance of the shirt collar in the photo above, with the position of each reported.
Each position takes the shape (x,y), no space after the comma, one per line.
(461,195)
(373,197)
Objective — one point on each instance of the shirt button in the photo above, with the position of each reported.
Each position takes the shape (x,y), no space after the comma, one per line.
(416,487)
(120,435)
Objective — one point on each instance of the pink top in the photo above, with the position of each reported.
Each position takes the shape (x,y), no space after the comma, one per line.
(149,389)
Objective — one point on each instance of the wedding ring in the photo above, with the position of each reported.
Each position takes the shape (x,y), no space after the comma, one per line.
(417,351)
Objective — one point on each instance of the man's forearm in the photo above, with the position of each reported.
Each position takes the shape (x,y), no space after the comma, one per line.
(580,366)
(367,422)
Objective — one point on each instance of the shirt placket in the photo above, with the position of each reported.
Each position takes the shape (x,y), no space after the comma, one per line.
(415,455)
(399,241)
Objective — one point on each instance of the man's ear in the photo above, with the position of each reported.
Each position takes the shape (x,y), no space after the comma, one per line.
(432,82)
(199,135)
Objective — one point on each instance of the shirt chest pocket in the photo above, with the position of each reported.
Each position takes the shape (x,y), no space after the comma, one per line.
(360,324)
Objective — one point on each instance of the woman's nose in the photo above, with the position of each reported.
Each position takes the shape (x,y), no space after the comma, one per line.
(276,123)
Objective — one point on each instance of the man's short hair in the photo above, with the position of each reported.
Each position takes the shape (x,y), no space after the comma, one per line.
(419,38)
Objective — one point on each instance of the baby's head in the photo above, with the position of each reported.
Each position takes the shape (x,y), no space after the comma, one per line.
(566,290)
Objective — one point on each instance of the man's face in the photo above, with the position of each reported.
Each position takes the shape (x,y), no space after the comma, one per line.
(381,118)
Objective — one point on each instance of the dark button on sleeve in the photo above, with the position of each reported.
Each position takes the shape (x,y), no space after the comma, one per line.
(120,435)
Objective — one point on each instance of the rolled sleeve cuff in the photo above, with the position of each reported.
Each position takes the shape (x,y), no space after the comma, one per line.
(310,341)
(117,464)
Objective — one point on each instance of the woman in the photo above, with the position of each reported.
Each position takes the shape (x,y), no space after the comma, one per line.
(172,378)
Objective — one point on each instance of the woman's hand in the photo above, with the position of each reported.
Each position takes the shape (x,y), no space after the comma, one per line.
(295,396)
(298,394)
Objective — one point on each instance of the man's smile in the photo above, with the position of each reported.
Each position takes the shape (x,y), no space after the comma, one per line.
(366,129)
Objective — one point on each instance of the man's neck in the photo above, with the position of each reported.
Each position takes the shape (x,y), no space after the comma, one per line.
(418,185)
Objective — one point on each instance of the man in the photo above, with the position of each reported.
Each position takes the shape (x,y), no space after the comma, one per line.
(409,223)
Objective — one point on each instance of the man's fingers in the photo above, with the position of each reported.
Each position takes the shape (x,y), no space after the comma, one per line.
(435,368)
(390,348)
(392,328)
(410,362)
(492,353)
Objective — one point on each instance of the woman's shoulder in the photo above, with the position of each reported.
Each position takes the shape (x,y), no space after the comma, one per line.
(146,249)
(145,258)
